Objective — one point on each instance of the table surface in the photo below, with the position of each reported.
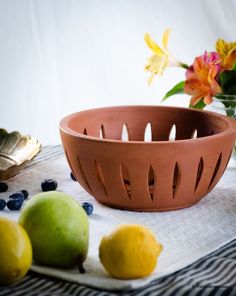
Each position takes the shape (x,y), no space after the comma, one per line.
(214,274)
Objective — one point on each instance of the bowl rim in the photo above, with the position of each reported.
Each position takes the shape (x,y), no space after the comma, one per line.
(63,126)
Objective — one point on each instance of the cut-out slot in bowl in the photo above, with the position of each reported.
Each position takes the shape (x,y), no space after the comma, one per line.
(172,135)
(148,133)
(199,173)
(176,179)
(125,133)
(151,182)
(183,164)
(100,176)
(126,179)
(194,135)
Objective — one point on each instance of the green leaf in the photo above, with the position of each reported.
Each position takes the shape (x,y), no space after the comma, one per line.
(199,105)
(228,82)
(234,66)
(177,89)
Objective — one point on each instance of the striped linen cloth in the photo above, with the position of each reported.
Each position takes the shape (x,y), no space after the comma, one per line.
(214,274)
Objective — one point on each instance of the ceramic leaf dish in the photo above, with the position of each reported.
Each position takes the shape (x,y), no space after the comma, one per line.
(158,175)
(16,151)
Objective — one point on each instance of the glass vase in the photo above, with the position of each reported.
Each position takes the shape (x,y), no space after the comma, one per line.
(226,105)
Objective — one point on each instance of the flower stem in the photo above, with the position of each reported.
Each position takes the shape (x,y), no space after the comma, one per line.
(230,113)
(185,66)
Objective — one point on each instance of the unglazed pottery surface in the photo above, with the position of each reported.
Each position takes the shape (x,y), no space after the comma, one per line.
(158,175)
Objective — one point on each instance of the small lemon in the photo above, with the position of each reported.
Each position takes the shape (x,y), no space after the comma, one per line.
(129,252)
(15,252)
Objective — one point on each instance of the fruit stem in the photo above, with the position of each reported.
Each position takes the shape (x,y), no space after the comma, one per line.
(81,268)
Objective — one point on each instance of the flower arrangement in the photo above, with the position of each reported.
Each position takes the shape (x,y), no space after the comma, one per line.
(212,74)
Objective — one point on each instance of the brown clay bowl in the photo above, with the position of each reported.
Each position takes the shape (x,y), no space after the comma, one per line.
(137,175)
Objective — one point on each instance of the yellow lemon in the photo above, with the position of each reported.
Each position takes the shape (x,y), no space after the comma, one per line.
(129,252)
(15,252)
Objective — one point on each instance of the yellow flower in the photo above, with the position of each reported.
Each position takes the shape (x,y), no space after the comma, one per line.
(227,52)
(161,59)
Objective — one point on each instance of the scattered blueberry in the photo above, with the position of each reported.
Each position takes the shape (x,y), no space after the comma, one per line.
(48,185)
(17,195)
(88,207)
(25,193)
(3,187)
(2,204)
(72,176)
(14,204)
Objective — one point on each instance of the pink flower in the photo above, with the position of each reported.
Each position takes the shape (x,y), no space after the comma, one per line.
(201,77)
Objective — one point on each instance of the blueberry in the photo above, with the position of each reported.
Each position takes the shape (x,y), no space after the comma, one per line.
(25,193)
(17,195)
(14,204)
(72,176)
(48,185)
(2,204)
(3,187)
(88,207)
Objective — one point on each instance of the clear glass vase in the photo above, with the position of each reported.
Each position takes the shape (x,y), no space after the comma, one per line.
(226,105)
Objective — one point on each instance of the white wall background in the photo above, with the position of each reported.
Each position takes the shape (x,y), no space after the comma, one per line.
(62,56)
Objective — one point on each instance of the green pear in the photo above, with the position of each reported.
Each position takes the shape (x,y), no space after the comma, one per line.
(58,228)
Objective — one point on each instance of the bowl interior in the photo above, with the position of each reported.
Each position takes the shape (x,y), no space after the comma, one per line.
(147,123)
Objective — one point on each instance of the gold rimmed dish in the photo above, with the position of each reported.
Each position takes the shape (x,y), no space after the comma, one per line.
(16,151)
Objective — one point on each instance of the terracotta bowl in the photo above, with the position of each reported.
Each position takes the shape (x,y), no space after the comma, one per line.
(156,175)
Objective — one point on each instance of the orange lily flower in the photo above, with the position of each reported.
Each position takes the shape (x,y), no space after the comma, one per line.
(201,78)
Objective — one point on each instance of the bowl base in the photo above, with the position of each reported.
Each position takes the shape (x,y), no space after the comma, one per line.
(150,209)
